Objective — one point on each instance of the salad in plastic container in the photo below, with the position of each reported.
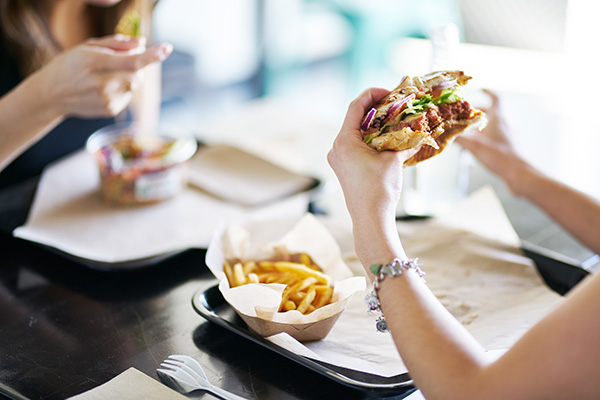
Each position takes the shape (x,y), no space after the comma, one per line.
(140,168)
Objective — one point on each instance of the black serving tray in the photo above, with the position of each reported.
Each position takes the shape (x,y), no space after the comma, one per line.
(560,275)
(210,304)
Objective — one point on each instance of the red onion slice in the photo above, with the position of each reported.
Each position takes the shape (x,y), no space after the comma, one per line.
(444,85)
(368,119)
(400,103)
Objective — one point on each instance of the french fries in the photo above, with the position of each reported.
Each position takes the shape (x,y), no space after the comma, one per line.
(307,287)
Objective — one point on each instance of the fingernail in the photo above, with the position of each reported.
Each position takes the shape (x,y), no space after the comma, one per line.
(165,50)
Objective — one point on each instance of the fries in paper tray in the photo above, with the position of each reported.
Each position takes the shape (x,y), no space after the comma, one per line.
(297,284)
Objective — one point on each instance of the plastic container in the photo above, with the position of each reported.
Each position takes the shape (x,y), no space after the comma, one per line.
(140,168)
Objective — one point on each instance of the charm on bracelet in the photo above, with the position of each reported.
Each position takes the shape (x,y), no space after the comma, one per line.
(372,302)
(381,324)
(396,268)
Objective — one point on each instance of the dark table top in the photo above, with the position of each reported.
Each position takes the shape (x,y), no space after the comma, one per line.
(66,328)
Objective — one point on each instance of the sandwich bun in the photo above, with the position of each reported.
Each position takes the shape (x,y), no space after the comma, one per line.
(427,111)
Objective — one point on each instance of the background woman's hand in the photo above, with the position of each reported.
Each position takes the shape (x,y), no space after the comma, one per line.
(96,78)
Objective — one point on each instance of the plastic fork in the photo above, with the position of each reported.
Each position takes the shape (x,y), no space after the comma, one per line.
(185,374)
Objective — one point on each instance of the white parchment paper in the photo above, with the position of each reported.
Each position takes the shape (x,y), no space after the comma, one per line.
(69,214)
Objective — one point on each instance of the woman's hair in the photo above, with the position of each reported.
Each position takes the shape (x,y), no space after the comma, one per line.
(25,33)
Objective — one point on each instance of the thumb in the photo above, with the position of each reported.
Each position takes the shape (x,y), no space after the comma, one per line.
(128,61)
(359,106)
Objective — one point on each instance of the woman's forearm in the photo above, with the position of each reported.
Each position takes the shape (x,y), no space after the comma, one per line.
(26,116)
(439,352)
(376,237)
(575,211)
(442,356)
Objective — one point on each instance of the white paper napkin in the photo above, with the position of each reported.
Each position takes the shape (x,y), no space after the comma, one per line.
(69,214)
(131,384)
(241,177)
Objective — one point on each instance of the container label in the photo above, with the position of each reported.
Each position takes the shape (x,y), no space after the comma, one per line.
(159,185)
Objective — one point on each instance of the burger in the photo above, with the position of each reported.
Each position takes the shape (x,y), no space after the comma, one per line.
(427,111)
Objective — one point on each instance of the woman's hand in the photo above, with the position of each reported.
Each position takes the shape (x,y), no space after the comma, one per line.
(369,178)
(96,78)
(371,182)
(493,146)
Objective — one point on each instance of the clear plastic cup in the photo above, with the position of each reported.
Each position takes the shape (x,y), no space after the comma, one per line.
(140,168)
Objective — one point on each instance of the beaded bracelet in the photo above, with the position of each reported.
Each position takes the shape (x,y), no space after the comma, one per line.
(396,268)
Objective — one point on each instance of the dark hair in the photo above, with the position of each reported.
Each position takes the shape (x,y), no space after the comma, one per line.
(25,33)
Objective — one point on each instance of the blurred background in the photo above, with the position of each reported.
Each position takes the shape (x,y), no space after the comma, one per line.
(305,60)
